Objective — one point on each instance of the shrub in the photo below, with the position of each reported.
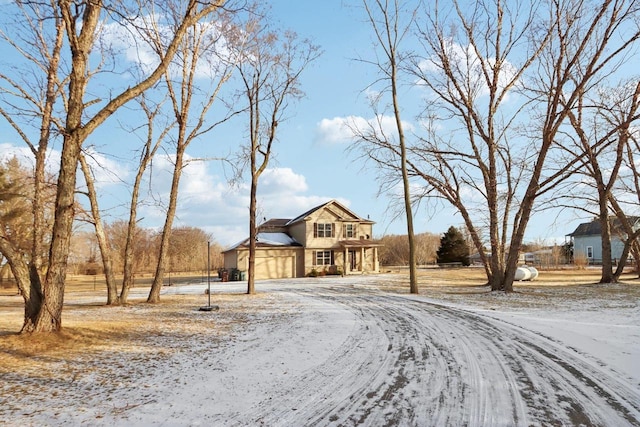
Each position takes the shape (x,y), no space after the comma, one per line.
(580,260)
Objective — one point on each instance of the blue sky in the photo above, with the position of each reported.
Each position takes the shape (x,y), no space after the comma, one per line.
(312,163)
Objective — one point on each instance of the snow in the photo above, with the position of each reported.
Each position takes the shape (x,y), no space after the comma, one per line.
(277,239)
(351,351)
(604,328)
(272,239)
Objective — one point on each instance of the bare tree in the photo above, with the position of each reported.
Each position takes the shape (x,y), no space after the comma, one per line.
(188,249)
(625,200)
(103,244)
(37,34)
(601,125)
(396,249)
(16,194)
(147,153)
(139,243)
(484,67)
(270,70)
(80,24)
(391,22)
(474,58)
(203,49)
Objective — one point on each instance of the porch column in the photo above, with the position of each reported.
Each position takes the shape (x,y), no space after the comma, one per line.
(362,259)
(345,261)
(376,264)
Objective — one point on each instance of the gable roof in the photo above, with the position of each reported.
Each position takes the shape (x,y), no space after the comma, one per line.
(268,239)
(594,228)
(587,229)
(274,223)
(326,205)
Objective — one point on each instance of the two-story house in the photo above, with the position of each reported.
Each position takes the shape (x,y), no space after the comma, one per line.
(328,238)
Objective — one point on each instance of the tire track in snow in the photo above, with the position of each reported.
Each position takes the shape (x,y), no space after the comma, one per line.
(410,362)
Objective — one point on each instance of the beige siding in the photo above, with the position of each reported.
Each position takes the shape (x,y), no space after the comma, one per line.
(230,260)
(276,267)
(298,230)
(272,263)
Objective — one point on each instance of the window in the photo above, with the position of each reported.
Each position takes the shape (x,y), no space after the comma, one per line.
(323,230)
(590,252)
(349,231)
(324,258)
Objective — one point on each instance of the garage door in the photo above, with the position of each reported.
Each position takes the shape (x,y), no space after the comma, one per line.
(275,267)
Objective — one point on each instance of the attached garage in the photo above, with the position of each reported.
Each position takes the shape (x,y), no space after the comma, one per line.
(275,266)
(277,257)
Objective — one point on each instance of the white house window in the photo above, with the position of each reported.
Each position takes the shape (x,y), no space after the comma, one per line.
(349,231)
(323,230)
(590,252)
(324,258)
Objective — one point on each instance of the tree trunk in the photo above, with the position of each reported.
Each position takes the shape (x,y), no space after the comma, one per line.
(127,277)
(148,153)
(156,286)
(32,299)
(635,251)
(413,276)
(112,289)
(49,318)
(605,239)
(622,262)
(252,231)
(28,284)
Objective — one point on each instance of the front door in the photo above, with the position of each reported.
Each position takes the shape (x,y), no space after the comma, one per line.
(352,260)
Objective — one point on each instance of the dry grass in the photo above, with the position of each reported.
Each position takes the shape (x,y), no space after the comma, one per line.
(90,327)
(557,288)
(475,276)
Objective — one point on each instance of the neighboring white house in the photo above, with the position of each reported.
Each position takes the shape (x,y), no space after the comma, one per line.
(326,239)
(587,239)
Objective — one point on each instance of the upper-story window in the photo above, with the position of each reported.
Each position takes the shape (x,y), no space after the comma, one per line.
(349,231)
(323,230)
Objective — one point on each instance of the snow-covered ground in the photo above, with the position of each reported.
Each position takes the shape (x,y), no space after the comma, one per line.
(348,351)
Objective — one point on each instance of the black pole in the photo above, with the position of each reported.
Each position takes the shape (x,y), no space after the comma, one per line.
(209,307)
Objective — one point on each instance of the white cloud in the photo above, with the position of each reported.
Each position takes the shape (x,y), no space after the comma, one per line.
(106,171)
(345,129)
(334,131)
(278,181)
(9,151)
(25,157)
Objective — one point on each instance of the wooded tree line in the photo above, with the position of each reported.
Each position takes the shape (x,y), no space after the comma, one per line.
(188,246)
(396,249)
(429,250)
(525,106)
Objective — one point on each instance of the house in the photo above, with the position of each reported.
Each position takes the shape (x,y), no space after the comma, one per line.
(328,238)
(588,243)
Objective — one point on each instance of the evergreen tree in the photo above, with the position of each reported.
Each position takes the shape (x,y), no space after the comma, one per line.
(453,248)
